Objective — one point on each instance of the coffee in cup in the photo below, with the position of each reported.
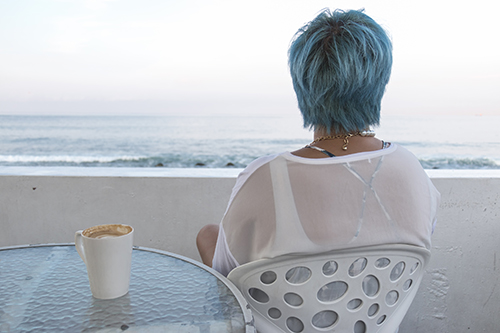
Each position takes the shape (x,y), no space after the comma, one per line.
(106,250)
(107,231)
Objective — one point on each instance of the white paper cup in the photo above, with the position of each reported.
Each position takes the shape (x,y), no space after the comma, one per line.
(106,250)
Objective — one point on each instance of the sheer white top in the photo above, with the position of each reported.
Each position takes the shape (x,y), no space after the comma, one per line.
(283,204)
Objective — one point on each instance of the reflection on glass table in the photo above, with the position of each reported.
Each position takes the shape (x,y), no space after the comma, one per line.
(45,288)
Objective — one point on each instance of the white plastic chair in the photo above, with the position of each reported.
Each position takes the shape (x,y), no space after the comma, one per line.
(355,290)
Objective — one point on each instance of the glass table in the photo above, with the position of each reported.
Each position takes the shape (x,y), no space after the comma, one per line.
(45,288)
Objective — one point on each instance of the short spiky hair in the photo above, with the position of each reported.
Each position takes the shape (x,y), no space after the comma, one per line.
(340,64)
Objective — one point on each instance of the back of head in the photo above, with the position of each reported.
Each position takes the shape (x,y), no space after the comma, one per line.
(340,64)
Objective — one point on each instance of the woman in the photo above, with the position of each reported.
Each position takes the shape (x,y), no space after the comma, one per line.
(346,188)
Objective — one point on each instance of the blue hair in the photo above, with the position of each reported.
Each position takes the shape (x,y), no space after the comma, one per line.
(340,64)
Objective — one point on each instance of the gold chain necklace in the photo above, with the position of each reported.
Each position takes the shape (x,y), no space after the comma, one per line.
(346,137)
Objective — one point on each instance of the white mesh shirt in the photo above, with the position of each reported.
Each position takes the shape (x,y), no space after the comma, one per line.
(283,204)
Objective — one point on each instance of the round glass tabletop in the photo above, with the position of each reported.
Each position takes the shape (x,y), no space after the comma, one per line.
(46,289)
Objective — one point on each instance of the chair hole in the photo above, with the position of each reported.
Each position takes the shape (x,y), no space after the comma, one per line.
(357,267)
(373,309)
(330,267)
(414,268)
(293,299)
(370,285)
(325,319)
(294,324)
(274,313)
(332,291)
(354,304)
(407,285)
(258,295)
(391,298)
(381,320)
(382,263)
(298,275)
(397,271)
(359,327)
(268,277)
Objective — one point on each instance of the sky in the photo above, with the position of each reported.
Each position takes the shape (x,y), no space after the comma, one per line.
(154,57)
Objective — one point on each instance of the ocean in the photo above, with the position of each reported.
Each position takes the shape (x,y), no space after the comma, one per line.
(439,142)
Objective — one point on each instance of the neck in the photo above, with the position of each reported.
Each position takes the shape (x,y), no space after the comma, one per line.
(321,132)
(345,136)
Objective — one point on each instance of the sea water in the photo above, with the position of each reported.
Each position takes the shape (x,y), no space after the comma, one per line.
(439,142)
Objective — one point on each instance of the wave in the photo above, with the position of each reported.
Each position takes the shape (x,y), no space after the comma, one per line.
(203,160)
(172,161)
(15,159)
(459,163)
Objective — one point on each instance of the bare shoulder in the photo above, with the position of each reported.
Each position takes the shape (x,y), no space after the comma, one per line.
(308,153)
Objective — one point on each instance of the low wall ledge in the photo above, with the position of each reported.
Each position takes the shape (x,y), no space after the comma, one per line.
(121,172)
(195,172)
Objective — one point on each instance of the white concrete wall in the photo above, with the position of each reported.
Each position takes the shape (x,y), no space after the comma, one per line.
(167,207)
(461,290)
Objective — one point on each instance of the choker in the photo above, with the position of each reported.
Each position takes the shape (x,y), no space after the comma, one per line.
(366,133)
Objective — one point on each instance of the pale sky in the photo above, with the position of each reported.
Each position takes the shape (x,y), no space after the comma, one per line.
(230,56)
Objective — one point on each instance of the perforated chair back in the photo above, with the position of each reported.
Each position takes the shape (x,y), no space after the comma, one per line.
(357,290)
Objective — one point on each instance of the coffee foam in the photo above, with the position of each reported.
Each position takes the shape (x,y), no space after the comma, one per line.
(107,231)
